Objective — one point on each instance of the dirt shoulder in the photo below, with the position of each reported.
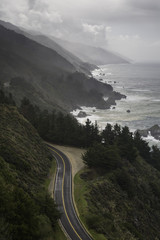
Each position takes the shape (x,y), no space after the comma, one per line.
(74,155)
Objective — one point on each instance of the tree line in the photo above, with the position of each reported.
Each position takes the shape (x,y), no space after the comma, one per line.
(119,143)
(61,128)
(58,127)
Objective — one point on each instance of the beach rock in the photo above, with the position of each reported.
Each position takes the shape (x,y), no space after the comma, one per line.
(82,114)
(128,111)
(153,131)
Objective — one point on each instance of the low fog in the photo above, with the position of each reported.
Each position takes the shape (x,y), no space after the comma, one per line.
(128,27)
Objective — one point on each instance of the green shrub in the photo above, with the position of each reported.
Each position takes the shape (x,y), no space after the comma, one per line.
(126,182)
(100,156)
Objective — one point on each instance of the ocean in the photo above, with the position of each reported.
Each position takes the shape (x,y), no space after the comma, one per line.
(141,84)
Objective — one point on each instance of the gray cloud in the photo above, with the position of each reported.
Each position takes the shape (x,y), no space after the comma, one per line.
(31,3)
(149,5)
(35,14)
(122,25)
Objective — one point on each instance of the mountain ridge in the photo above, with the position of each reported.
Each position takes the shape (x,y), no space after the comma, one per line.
(48,42)
(92,54)
(32,70)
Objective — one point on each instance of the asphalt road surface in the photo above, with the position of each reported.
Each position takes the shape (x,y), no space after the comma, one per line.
(63,198)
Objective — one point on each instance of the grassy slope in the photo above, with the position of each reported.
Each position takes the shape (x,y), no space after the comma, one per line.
(23,149)
(120,207)
(26,168)
(80,191)
(59,235)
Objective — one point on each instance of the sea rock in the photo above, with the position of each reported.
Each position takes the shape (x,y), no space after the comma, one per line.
(143,133)
(82,114)
(153,131)
(128,111)
(111,101)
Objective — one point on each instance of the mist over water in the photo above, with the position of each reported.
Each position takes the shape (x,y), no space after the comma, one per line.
(141,84)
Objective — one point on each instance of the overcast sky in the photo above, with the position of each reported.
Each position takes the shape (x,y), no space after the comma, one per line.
(129,27)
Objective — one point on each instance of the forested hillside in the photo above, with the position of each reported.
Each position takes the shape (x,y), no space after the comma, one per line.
(121,187)
(60,128)
(26,210)
(31,70)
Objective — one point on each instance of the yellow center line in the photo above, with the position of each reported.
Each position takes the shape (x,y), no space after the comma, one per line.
(63,193)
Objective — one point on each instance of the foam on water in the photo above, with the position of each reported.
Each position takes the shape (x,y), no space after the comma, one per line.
(152,141)
(140,90)
(91,111)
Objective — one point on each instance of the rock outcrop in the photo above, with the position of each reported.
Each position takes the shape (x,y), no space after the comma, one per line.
(82,114)
(153,131)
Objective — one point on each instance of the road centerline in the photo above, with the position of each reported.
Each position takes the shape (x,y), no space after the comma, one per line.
(64,167)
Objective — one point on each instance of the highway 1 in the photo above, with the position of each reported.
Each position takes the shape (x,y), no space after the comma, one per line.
(63,198)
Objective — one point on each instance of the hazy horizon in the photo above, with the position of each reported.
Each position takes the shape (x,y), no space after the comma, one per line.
(127,27)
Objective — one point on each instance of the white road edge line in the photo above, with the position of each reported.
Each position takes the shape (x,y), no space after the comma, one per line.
(60,223)
(82,225)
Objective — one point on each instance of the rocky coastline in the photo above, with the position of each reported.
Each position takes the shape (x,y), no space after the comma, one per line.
(101,95)
(100,103)
(154,131)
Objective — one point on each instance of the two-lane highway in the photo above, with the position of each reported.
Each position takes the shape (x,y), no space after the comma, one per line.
(63,198)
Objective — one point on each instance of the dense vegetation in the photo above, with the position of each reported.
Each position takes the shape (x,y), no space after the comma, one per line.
(60,128)
(123,188)
(123,179)
(26,210)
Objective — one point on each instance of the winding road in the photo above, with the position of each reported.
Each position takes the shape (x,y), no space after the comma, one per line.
(63,198)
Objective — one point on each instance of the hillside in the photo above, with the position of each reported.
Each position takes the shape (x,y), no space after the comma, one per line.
(22,148)
(46,41)
(30,51)
(31,70)
(83,57)
(91,54)
(118,194)
(24,166)
(79,65)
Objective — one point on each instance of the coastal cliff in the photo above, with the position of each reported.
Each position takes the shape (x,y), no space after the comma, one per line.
(31,70)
